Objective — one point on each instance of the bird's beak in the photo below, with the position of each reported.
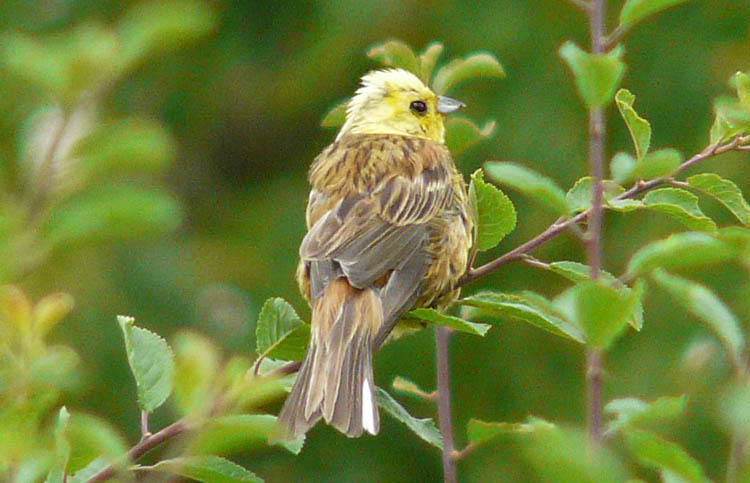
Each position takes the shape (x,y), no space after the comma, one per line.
(446,105)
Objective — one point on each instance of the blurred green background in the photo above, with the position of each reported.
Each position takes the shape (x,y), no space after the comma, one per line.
(244,105)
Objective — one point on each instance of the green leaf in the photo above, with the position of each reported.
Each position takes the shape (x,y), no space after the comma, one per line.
(462,134)
(85,474)
(682,250)
(725,192)
(280,333)
(404,385)
(602,311)
(578,198)
(622,168)
(151,361)
(527,308)
(704,304)
(92,438)
(741,82)
(458,71)
(424,428)
(395,53)
(129,145)
(635,11)
(578,272)
(336,116)
(494,214)
(239,433)
(154,28)
(208,469)
(481,431)
(62,445)
(658,163)
(427,61)
(112,212)
(633,412)
(434,317)
(732,118)
(682,205)
(596,75)
(528,182)
(655,452)
(196,370)
(640,129)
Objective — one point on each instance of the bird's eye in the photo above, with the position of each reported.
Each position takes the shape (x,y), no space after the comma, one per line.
(418,106)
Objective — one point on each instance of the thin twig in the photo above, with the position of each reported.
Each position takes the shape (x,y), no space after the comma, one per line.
(442,338)
(611,40)
(459,455)
(145,433)
(144,446)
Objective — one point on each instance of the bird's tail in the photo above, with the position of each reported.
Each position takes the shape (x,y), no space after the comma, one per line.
(335,380)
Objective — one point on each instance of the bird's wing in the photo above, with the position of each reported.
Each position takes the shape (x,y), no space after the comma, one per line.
(366,235)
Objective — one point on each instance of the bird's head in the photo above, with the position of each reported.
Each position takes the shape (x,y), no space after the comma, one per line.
(395,101)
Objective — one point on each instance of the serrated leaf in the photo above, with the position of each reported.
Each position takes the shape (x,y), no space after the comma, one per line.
(155,28)
(208,469)
(434,317)
(601,311)
(680,204)
(725,192)
(528,182)
(424,428)
(240,433)
(277,321)
(151,361)
(578,198)
(458,71)
(633,412)
(622,168)
(635,11)
(110,213)
(527,309)
(494,213)
(404,385)
(396,54)
(639,128)
(704,304)
(655,452)
(578,272)
(596,75)
(682,250)
(336,116)
(462,134)
(481,431)
(427,61)
(658,163)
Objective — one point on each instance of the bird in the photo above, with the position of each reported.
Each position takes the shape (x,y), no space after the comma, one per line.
(389,229)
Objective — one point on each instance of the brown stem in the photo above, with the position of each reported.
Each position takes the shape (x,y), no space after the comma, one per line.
(442,338)
(594,389)
(144,425)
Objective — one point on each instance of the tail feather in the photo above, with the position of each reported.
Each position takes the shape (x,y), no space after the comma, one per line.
(336,381)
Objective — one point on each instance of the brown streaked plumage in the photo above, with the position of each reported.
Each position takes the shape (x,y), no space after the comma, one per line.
(388,229)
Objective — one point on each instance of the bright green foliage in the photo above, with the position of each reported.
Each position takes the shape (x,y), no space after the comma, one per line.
(424,428)
(709,308)
(91,438)
(658,163)
(197,363)
(458,71)
(494,213)
(462,134)
(682,250)
(735,407)
(596,75)
(725,192)
(681,205)
(479,431)
(208,469)
(428,60)
(529,308)
(336,116)
(635,11)
(238,433)
(632,412)
(640,129)
(280,333)
(622,167)
(395,53)
(653,451)
(151,361)
(528,182)
(434,317)
(578,198)
(732,119)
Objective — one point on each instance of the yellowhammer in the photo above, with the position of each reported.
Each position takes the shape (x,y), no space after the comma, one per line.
(388,228)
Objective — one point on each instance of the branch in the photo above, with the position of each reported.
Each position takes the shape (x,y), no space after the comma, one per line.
(145,445)
(442,337)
